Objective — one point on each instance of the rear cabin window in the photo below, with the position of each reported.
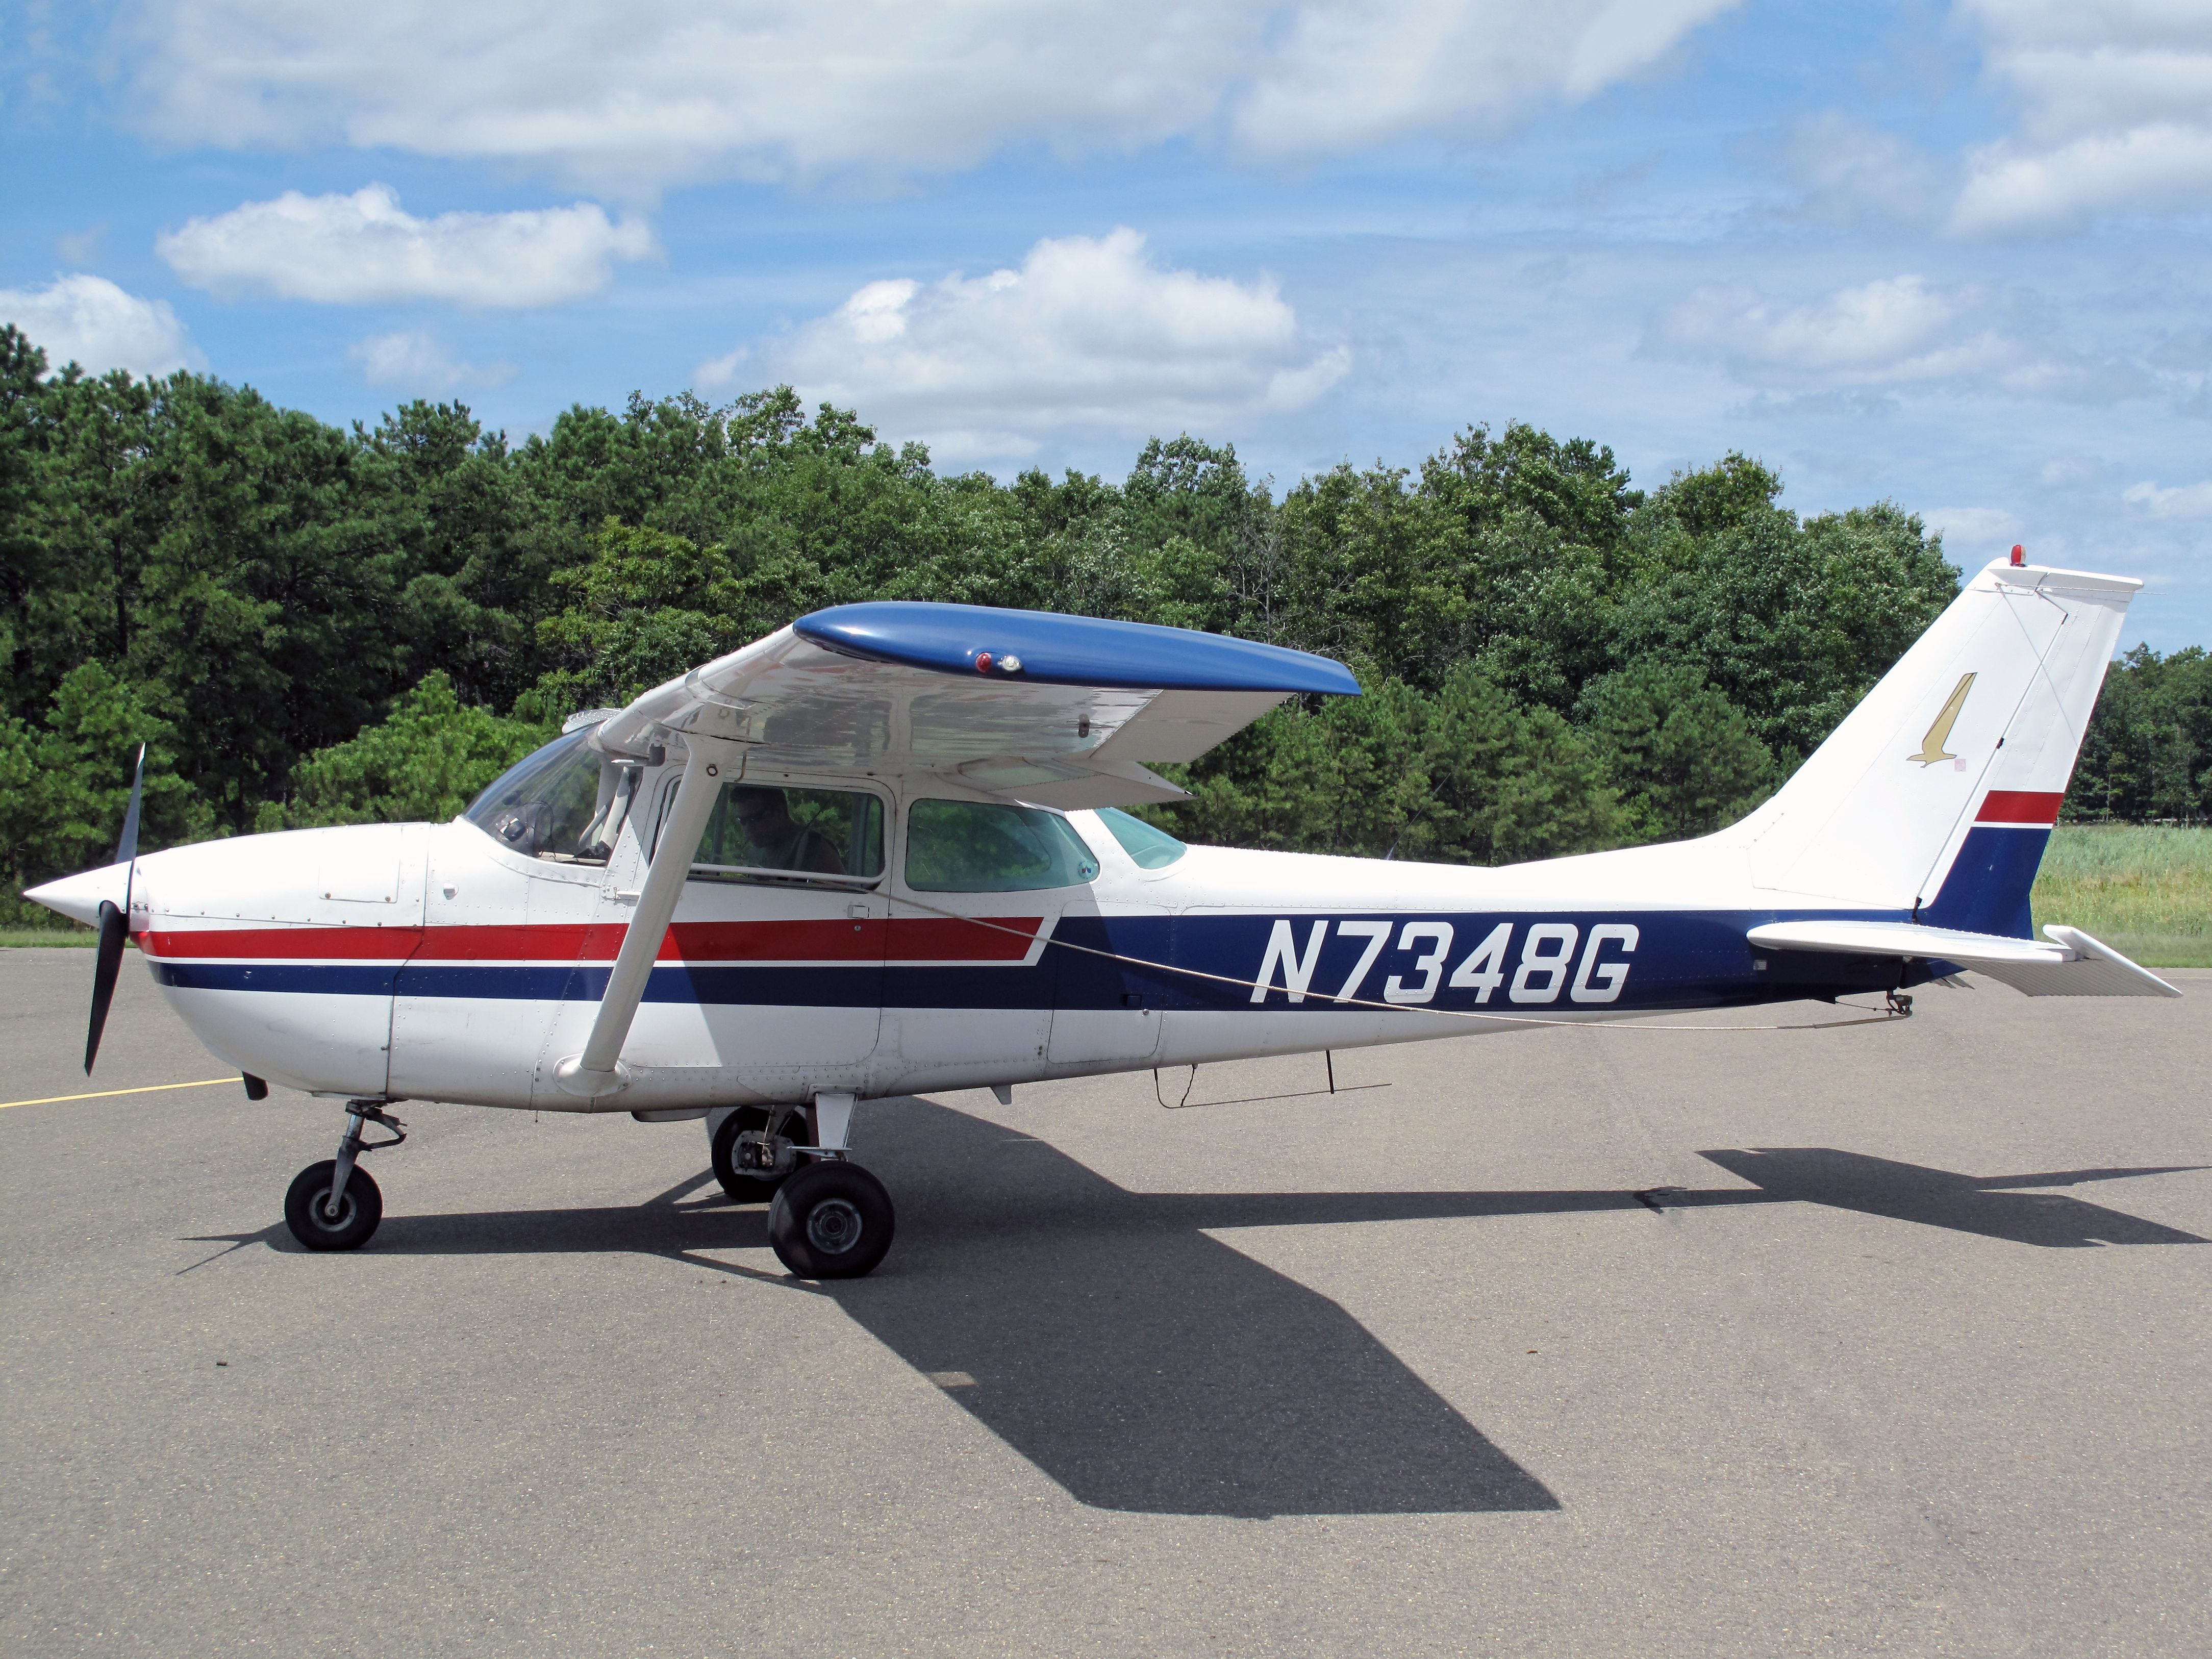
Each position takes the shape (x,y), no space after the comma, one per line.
(1150,848)
(978,847)
(759,830)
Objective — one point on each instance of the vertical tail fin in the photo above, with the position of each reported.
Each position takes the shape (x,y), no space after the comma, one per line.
(1938,792)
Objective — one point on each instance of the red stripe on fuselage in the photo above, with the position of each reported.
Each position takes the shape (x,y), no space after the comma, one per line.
(285,944)
(908,939)
(2019,807)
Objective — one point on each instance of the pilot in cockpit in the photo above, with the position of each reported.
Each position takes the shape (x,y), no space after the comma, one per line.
(780,841)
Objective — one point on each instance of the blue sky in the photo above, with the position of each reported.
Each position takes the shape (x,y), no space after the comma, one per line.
(1952,254)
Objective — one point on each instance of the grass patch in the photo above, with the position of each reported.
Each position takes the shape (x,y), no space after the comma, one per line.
(14,939)
(2145,889)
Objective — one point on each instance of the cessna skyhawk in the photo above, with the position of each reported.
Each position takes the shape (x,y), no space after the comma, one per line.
(882,851)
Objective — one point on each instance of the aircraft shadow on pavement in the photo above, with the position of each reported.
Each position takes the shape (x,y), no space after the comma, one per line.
(1147,1366)
(1994,1207)
(1142,1365)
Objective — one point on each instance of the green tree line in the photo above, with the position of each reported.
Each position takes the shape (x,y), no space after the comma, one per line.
(306,624)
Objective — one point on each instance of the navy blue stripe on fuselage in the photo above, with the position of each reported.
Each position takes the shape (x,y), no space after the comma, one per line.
(1681,959)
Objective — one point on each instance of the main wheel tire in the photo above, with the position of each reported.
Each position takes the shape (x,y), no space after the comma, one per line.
(361,1207)
(744,1185)
(830,1221)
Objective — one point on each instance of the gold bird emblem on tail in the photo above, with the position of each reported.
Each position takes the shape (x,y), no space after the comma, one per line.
(1931,746)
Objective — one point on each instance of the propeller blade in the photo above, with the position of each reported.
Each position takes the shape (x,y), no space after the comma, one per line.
(109,963)
(127,849)
(114,924)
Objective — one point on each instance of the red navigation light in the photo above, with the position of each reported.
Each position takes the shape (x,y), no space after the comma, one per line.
(982,662)
(2019,554)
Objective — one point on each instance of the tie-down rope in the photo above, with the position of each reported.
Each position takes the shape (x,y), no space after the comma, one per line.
(1899,1008)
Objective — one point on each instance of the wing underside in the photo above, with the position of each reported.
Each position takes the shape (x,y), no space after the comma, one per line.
(1061,711)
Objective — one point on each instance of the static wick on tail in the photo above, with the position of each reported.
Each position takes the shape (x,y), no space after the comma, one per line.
(114,924)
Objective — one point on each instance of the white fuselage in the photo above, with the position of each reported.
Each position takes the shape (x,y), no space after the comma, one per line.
(431,962)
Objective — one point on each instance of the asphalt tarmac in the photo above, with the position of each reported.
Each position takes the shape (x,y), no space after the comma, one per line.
(1895,1338)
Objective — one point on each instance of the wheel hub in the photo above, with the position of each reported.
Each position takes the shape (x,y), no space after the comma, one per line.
(833,1226)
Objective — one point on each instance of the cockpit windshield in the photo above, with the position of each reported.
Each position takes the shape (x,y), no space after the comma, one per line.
(566,802)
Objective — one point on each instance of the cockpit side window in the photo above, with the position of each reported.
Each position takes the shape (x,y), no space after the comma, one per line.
(564,803)
(981,847)
(756,831)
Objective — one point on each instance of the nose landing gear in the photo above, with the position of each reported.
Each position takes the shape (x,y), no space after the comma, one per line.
(334,1205)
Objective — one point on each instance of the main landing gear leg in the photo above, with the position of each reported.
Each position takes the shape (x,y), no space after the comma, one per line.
(334,1204)
(831,1220)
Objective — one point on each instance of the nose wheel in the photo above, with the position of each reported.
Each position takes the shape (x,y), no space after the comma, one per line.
(334,1205)
(309,1213)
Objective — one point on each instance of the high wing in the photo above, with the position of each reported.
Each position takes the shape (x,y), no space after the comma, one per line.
(2071,965)
(1061,711)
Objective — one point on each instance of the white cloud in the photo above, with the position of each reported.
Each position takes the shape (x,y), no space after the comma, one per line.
(82,247)
(1896,332)
(1087,333)
(721,373)
(365,249)
(2178,501)
(89,321)
(2116,112)
(1971,533)
(643,94)
(1346,77)
(414,360)
(1849,172)
(1900,328)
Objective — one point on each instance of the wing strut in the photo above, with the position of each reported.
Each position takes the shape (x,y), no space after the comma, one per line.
(595,1072)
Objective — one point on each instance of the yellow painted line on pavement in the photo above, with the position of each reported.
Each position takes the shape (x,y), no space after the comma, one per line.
(105,1094)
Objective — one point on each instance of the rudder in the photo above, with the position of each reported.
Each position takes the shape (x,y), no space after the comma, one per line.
(1937,794)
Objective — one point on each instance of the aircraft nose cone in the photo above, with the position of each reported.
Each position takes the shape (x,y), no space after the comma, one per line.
(79,897)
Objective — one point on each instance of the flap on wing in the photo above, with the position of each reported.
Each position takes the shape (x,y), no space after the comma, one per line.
(2072,964)
(1063,711)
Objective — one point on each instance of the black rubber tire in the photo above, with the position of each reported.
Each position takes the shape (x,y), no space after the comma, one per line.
(360,1208)
(831,1221)
(742,1185)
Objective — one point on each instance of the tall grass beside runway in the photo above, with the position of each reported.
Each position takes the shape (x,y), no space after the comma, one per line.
(12,938)
(2145,889)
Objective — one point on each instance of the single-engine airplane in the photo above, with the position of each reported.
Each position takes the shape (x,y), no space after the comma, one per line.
(882,851)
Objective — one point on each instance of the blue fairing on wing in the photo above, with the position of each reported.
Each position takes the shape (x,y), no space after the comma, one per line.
(1681,960)
(1058,650)
(1988,887)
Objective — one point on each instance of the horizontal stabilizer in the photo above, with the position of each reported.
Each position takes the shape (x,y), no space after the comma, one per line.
(2072,964)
